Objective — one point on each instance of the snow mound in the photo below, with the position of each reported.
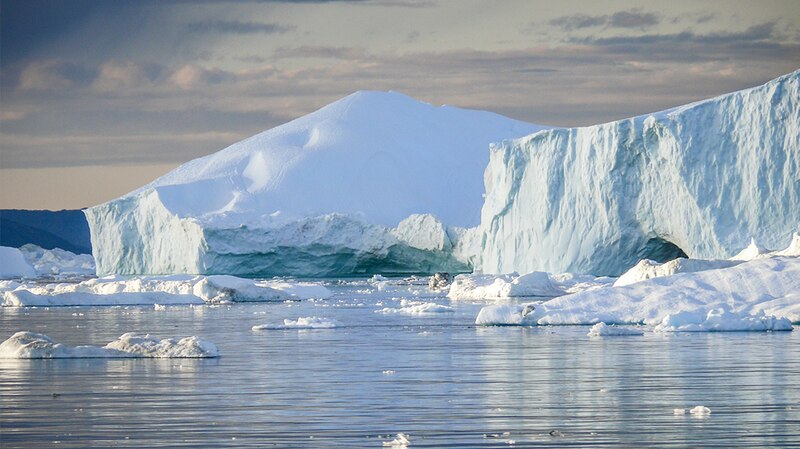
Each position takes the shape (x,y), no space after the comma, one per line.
(471,286)
(30,345)
(309,322)
(357,187)
(162,290)
(57,262)
(408,307)
(14,265)
(604,330)
(721,320)
(697,181)
(747,292)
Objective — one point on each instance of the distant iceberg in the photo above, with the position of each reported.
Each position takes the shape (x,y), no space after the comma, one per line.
(699,180)
(376,182)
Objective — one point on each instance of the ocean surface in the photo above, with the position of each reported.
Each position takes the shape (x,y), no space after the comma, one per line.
(437,378)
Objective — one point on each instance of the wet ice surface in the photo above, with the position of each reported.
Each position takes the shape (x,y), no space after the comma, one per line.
(436,378)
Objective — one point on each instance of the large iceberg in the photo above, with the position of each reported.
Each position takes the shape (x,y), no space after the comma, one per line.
(698,180)
(375,182)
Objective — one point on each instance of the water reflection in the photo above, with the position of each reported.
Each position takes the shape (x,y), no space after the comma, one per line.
(438,378)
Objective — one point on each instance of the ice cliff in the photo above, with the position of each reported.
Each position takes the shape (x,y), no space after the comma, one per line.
(373,183)
(700,180)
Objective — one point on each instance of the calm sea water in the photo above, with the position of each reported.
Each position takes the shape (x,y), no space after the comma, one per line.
(437,378)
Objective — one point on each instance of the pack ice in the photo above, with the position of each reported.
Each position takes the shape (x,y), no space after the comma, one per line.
(698,180)
(375,182)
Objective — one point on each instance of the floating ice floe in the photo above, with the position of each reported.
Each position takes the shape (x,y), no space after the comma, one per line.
(750,293)
(164,290)
(507,315)
(482,286)
(309,322)
(605,330)
(720,320)
(408,307)
(31,345)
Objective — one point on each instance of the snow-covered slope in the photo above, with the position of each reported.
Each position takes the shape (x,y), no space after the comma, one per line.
(321,195)
(701,179)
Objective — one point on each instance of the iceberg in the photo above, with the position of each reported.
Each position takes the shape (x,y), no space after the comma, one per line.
(698,180)
(31,345)
(376,182)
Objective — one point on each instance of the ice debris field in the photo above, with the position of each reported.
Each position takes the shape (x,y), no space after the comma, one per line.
(756,290)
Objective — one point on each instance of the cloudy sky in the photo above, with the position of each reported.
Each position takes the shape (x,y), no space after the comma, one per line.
(99,97)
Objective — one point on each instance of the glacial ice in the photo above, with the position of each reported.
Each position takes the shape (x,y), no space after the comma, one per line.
(14,265)
(31,345)
(761,294)
(162,290)
(373,183)
(699,180)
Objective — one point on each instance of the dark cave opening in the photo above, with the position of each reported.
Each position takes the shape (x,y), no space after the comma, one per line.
(660,250)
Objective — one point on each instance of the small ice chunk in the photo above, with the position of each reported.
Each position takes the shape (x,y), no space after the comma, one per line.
(308,322)
(678,411)
(416,308)
(401,441)
(604,330)
(700,411)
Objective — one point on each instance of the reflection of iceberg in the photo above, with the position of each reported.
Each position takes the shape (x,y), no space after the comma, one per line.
(699,180)
(30,345)
(373,183)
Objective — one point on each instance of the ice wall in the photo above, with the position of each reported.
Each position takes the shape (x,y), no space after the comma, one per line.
(701,179)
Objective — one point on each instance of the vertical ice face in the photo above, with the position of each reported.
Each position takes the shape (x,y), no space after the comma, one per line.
(701,179)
